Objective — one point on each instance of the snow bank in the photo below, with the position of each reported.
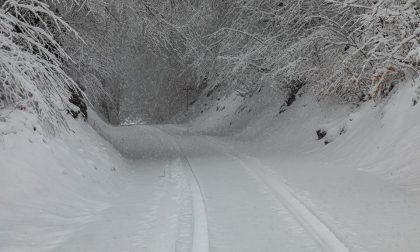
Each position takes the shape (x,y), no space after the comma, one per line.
(50,186)
(383,138)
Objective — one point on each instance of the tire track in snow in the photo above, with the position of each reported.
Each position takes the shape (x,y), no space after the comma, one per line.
(309,221)
(200,240)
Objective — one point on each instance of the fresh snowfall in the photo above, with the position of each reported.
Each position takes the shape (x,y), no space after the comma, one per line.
(209,125)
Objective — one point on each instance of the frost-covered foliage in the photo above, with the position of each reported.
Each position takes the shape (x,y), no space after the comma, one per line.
(353,49)
(31,59)
(381,42)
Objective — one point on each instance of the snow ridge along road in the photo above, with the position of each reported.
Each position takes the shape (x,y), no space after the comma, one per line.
(310,222)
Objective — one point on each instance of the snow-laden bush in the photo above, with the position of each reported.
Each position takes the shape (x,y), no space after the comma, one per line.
(381,43)
(352,49)
(31,60)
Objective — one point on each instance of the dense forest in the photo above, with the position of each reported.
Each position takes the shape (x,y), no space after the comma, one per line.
(103,50)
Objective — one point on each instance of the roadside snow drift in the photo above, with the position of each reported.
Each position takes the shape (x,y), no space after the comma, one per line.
(50,186)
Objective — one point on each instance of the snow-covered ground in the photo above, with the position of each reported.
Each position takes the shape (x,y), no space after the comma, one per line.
(271,187)
(51,186)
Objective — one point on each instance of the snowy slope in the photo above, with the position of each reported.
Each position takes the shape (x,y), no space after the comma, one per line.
(375,137)
(386,129)
(50,186)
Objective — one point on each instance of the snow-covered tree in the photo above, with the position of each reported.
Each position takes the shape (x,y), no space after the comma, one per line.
(353,49)
(32,58)
(380,41)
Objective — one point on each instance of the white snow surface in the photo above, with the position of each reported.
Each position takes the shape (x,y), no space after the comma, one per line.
(271,187)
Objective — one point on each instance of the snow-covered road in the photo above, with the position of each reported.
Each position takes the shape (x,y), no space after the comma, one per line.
(197,196)
(192,193)
(245,211)
(202,193)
